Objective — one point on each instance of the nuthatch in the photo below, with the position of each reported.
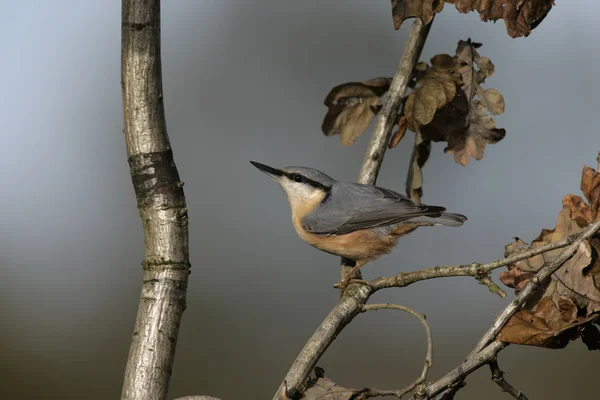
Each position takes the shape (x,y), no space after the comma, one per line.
(355,221)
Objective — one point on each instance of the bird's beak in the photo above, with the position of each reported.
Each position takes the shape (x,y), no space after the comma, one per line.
(272,172)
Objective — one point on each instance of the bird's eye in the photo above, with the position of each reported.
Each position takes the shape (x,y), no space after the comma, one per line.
(297,178)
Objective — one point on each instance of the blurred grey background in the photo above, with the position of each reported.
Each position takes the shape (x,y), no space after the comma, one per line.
(245,81)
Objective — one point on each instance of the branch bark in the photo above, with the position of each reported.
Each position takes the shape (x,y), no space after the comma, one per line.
(459,373)
(161,205)
(498,378)
(475,270)
(355,296)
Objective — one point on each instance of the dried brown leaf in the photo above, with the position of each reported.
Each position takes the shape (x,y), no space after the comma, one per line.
(573,281)
(448,104)
(323,388)
(481,131)
(570,297)
(436,87)
(422,9)
(547,326)
(399,134)
(352,107)
(520,16)
(420,154)
(580,210)
(590,186)
(515,278)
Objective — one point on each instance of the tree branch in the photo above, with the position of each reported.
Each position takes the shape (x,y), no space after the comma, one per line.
(498,377)
(161,204)
(389,112)
(462,371)
(475,269)
(355,296)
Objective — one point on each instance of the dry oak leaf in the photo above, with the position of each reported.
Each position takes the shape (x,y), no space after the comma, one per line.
(481,131)
(580,210)
(515,278)
(435,89)
(352,107)
(520,16)
(422,9)
(569,298)
(448,104)
(324,388)
(549,325)
(590,186)
(480,127)
(399,134)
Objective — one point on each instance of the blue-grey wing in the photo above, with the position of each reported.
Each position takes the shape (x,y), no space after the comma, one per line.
(352,206)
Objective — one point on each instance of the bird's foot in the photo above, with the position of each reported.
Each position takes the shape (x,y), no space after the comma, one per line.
(346,281)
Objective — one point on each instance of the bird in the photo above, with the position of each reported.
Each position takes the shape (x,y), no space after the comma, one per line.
(355,221)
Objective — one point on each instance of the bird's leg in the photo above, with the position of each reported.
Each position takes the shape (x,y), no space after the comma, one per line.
(348,277)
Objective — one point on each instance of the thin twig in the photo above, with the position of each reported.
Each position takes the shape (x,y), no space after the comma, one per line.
(474,269)
(355,296)
(533,283)
(428,357)
(462,371)
(498,377)
(486,280)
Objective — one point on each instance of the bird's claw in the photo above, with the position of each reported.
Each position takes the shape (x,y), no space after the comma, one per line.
(345,282)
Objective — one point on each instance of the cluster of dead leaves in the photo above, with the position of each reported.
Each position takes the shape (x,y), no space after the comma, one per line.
(568,303)
(352,107)
(520,16)
(448,103)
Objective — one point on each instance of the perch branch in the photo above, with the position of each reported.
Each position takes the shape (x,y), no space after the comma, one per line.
(475,270)
(161,205)
(428,358)
(498,377)
(355,296)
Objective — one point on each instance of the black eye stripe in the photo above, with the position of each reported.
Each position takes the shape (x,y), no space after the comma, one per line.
(301,178)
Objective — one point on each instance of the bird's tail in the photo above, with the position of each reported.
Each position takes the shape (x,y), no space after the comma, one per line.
(445,219)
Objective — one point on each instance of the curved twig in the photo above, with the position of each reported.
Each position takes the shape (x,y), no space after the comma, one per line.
(428,358)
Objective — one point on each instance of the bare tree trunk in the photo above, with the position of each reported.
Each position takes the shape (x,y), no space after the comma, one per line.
(161,204)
